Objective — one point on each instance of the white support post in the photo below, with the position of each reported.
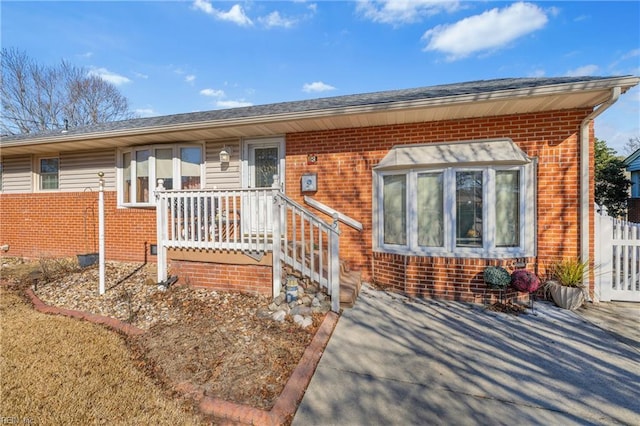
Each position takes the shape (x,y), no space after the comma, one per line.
(101,257)
(161,231)
(276,243)
(335,266)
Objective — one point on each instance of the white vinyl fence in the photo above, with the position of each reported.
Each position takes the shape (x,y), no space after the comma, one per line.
(617,258)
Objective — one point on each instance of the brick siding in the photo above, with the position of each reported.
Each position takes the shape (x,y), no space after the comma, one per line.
(344,167)
(62,224)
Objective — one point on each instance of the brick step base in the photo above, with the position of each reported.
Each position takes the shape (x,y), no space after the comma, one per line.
(350,284)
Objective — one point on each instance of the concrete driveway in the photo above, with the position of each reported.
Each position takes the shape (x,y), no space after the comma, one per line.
(399,361)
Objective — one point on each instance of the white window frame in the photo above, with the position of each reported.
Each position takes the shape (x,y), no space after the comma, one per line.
(38,173)
(177,181)
(488,250)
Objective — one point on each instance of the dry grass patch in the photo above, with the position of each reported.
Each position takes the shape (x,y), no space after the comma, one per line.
(56,370)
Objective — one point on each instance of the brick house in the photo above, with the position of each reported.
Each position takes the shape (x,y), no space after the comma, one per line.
(434,183)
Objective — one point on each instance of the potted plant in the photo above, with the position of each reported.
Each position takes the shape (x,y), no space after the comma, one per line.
(496,277)
(565,286)
(525,281)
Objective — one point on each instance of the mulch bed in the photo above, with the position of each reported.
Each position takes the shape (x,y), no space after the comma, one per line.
(214,342)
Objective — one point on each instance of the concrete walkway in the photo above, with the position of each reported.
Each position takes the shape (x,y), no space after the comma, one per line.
(399,361)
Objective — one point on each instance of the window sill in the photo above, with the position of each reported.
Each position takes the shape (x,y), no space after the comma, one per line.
(147,206)
(458,254)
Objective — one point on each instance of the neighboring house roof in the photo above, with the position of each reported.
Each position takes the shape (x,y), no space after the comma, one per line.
(632,162)
(442,102)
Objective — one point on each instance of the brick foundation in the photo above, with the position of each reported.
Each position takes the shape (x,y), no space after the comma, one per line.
(254,279)
(444,278)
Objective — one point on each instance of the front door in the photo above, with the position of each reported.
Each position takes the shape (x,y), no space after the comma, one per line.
(264,169)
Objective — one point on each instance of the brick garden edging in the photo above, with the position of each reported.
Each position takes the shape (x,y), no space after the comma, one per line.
(286,404)
(112,323)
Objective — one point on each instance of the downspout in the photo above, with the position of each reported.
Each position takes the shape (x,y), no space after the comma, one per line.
(585,206)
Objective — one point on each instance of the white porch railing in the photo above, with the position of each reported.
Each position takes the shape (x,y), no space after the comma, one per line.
(617,258)
(251,221)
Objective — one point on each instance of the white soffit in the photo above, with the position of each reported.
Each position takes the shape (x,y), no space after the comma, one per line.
(468,153)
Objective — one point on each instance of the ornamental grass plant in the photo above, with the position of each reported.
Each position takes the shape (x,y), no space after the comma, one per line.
(569,272)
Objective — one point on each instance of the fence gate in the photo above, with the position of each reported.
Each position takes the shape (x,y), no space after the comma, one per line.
(617,258)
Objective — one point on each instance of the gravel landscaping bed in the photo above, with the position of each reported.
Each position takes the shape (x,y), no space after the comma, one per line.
(226,345)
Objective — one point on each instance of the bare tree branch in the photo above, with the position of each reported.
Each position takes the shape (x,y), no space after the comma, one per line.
(38,98)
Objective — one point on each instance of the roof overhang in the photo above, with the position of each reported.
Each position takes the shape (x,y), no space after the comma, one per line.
(574,95)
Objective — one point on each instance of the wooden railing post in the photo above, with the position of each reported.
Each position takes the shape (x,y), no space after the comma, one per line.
(335,265)
(161,231)
(276,243)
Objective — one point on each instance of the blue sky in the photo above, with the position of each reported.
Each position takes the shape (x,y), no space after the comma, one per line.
(171,57)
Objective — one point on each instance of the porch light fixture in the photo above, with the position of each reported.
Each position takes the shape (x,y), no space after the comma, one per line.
(225,155)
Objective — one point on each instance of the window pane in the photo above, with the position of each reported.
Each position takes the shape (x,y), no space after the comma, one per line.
(126,176)
(469,209)
(49,173)
(395,209)
(190,160)
(142,176)
(430,210)
(266,166)
(507,208)
(164,167)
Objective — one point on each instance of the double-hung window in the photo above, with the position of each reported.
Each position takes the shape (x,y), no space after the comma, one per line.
(140,168)
(48,173)
(455,200)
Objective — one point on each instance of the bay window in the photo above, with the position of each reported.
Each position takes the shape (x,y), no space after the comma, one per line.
(139,168)
(449,200)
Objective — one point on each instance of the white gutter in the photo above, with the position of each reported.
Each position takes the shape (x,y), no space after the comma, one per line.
(585,207)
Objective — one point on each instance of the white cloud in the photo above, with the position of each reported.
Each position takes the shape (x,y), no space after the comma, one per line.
(403,11)
(140,75)
(274,19)
(490,30)
(190,78)
(86,55)
(233,104)
(111,77)
(212,93)
(235,14)
(582,71)
(317,86)
(145,112)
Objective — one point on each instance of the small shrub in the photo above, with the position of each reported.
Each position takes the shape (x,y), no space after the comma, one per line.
(496,277)
(525,281)
(569,272)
